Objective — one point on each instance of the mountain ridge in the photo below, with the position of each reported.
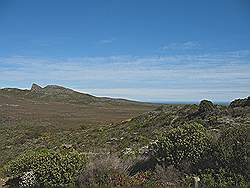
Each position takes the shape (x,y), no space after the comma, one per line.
(64,107)
(58,93)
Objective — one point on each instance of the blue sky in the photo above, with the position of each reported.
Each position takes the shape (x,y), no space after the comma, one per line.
(149,50)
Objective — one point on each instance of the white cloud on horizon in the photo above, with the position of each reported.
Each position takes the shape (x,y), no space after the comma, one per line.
(167,95)
(220,76)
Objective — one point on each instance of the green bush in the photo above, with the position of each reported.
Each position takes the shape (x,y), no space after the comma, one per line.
(219,161)
(181,145)
(232,150)
(226,163)
(222,178)
(228,151)
(46,168)
(206,106)
(213,178)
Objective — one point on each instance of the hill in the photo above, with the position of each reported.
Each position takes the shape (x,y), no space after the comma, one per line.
(55,93)
(65,108)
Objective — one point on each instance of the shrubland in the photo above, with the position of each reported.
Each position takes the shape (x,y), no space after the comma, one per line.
(172,146)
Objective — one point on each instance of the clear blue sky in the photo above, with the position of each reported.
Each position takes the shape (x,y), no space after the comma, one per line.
(150,50)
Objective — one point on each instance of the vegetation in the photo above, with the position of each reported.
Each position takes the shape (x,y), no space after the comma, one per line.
(110,171)
(192,151)
(173,145)
(182,153)
(184,145)
(46,168)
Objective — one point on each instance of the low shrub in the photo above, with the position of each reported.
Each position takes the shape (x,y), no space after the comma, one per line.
(222,178)
(167,176)
(206,106)
(104,171)
(143,179)
(141,164)
(46,168)
(231,150)
(181,147)
(110,171)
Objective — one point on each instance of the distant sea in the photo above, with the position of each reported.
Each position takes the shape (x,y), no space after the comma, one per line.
(190,102)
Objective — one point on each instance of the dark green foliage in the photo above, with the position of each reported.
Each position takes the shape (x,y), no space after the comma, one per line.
(226,163)
(219,162)
(143,164)
(206,106)
(222,178)
(48,168)
(232,149)
(240,102)
(180,145)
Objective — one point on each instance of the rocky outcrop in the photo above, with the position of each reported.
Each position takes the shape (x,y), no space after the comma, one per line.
(205,110)
(206,106)
(35,88)
(240,102)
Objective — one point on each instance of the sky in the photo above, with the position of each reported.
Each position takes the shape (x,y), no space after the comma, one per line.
(147,50)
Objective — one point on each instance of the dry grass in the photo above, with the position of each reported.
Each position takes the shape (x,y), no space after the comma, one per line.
(65,115)
(167,176)
(104,170)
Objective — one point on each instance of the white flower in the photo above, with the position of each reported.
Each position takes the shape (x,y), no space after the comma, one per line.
(28,179)
(128,151)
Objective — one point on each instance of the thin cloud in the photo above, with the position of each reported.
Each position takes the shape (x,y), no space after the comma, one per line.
(142,78)
(107,41)
(188,45)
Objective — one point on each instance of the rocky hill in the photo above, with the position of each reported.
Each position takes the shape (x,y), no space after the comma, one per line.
(55,93)
(64,108)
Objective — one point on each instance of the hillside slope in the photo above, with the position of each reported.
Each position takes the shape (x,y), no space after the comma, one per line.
(65,108)
(124,136)
(55,93)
